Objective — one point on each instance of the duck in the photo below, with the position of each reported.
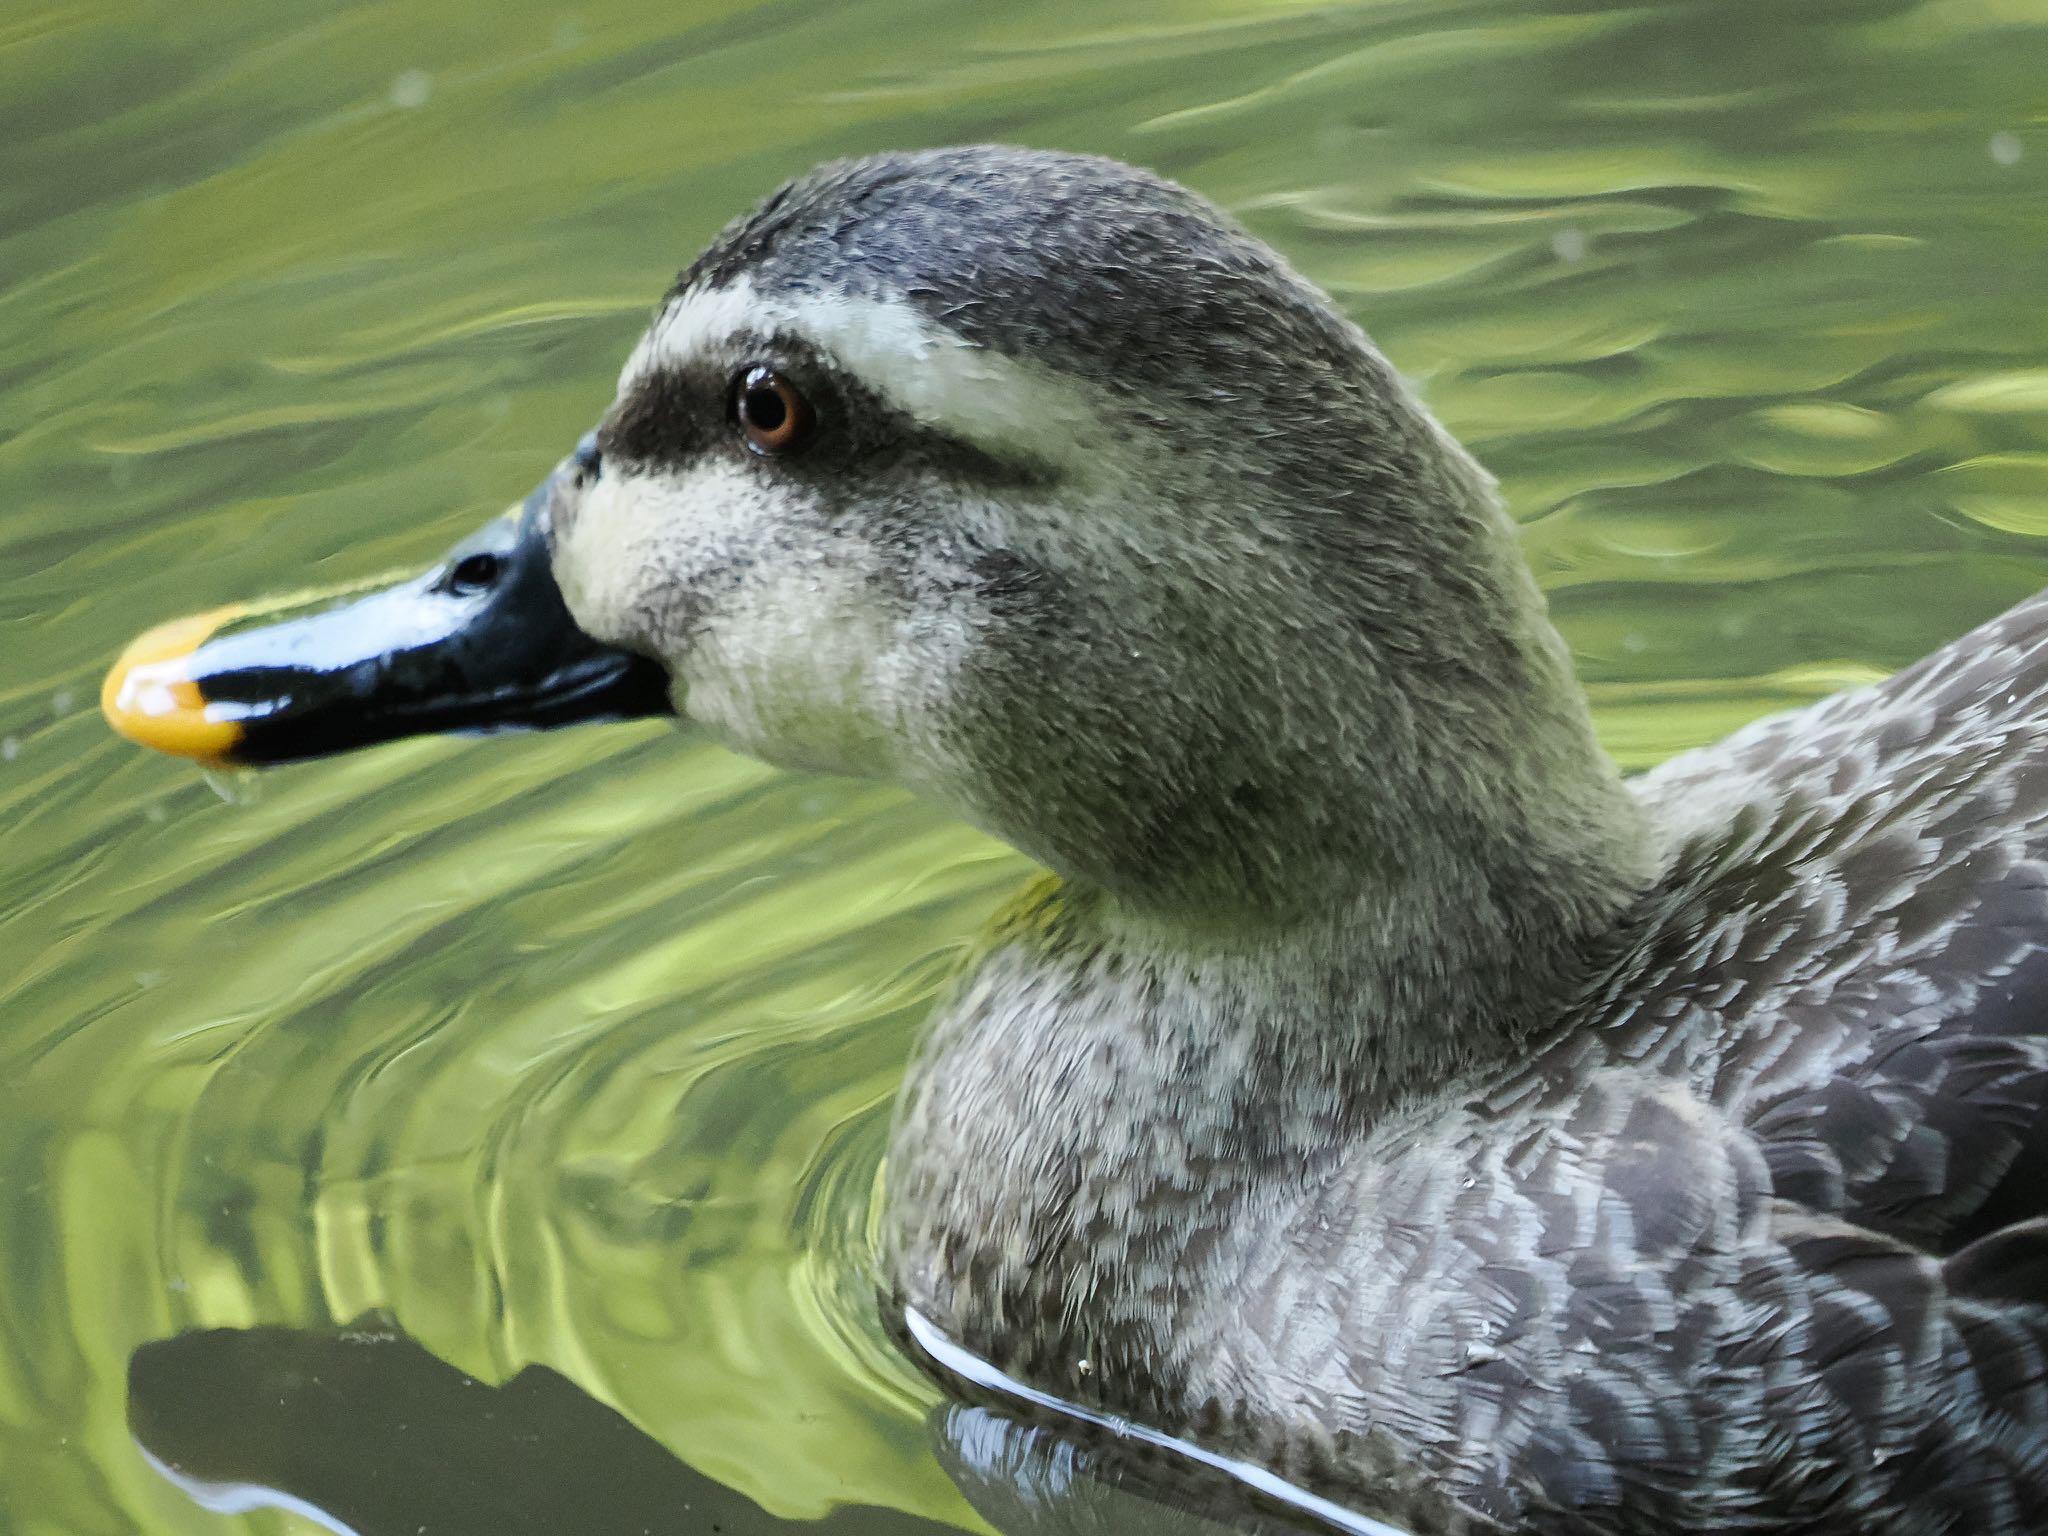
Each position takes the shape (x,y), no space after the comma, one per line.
(1376,1088)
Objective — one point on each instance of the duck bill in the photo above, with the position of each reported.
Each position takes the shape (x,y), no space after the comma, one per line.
(482,642)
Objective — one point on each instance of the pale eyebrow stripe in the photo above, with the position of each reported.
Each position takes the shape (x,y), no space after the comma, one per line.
(1009,408)
(669,416)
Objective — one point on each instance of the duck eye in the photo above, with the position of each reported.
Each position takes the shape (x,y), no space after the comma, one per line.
(770,412)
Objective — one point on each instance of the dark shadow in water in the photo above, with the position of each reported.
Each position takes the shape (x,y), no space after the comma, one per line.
(365,1432)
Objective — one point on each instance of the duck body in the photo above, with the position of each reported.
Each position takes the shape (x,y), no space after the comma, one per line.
(1749,1237)
(1379,1089)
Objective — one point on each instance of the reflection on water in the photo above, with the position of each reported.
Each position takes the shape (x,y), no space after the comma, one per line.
(576,1053)
(1041,1479)
(366,1433)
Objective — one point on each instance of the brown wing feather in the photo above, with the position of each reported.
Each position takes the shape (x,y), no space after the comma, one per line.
(1887,1038)
(1761,1248)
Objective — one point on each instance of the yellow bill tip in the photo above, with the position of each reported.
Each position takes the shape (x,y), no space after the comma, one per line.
(150,696)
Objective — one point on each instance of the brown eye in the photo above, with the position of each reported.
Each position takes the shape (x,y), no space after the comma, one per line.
(771,412)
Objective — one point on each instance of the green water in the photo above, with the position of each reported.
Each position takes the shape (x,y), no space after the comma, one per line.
(577,1050)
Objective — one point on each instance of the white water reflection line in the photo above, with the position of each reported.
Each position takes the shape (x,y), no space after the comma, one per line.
(242,1498)
(972,1368)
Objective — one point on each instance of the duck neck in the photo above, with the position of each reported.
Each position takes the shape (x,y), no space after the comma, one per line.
(1114,1102)
(1296,899)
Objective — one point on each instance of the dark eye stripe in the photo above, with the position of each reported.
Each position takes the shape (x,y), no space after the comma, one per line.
(964,461)
(674,414)
(662,419)
(878,429)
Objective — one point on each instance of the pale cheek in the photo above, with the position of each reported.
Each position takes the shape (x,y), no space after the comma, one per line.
(643,551)
(592,562)
(794,671)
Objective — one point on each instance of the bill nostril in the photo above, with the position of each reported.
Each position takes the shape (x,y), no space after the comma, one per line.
(475,573)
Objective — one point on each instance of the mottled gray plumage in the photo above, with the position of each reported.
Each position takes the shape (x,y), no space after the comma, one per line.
(1389,1094)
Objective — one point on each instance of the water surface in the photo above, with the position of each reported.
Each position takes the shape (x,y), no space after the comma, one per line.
(576,1052)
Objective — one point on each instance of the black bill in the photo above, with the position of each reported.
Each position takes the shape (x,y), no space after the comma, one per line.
(483,642)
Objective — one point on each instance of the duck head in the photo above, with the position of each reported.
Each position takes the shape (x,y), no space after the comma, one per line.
(1028,481)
